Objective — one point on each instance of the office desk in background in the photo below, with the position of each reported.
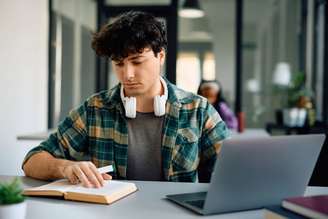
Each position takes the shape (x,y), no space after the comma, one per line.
(148,202)
(252,132)
(37,136)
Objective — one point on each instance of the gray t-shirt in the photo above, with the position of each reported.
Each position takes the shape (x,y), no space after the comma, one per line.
(144,147)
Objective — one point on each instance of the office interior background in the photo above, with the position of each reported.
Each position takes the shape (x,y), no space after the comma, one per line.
(271,57)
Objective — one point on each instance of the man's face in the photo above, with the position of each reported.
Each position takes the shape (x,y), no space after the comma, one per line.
(138,73)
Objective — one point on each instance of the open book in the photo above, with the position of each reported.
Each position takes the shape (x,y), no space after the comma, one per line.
(109,193)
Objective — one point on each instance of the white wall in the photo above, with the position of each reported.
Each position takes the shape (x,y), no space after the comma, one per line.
(23,77)
(225,59)
(221,16)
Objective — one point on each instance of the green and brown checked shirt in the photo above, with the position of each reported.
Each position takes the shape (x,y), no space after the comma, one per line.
(97,131)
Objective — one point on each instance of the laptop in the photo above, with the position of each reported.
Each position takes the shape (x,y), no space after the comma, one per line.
(256,172)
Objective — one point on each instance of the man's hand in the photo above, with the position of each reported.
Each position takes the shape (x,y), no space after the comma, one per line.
(86,173)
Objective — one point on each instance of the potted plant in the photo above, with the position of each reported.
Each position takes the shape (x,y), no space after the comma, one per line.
(300,98)
(12,203)
(296,100)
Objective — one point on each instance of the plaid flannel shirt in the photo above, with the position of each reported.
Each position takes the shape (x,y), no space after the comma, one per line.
(97,131)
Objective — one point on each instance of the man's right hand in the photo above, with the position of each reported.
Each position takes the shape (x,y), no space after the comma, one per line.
(85,172)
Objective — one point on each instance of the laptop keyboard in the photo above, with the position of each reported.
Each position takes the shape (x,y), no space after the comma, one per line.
(196,203)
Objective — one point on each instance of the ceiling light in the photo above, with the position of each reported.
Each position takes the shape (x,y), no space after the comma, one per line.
(191,9)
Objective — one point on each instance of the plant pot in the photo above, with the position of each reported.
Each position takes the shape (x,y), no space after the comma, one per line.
(16,211)
(279,117)
(294,117)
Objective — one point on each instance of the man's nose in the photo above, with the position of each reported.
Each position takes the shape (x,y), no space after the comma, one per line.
(128,72)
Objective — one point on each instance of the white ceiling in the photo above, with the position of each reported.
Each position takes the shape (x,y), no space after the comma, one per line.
(138,2)
(253,9)
(221,10)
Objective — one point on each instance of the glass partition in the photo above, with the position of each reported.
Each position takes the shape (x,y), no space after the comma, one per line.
(72,60)
(271,60)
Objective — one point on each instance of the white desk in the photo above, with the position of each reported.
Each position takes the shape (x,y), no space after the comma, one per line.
(148,202)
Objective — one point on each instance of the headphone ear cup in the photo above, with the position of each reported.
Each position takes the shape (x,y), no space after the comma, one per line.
(130,107)
(156,105)
(159,105)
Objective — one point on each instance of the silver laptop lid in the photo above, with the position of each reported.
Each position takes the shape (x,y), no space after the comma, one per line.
(251,173)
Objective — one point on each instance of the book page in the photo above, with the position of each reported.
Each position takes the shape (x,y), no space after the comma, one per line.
(59,185)
(110,187)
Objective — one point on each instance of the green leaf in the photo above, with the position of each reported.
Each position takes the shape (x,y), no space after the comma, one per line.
(11,192)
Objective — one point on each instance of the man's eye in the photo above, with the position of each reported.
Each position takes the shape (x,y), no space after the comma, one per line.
(136,63)
(120,64)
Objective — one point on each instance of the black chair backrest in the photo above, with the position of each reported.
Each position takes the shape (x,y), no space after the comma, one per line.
(320,173)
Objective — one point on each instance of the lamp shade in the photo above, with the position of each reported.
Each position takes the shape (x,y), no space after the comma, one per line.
(191,9)
(282,74)
(252,85)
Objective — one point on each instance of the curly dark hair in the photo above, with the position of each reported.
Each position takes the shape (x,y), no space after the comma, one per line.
(130,33)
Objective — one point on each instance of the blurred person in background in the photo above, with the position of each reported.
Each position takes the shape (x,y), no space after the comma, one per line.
(212,90)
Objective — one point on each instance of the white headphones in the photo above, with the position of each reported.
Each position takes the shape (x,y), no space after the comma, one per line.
(130,103)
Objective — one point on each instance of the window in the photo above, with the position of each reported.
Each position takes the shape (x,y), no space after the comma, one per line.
(188,71)
(209,66)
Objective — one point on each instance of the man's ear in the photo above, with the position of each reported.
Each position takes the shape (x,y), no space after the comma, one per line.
(162,56)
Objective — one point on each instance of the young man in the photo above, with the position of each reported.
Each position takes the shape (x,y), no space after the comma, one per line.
(147,128)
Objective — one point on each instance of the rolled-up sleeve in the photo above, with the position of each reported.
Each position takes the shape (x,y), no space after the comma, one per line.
(70,139)
(214,132)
